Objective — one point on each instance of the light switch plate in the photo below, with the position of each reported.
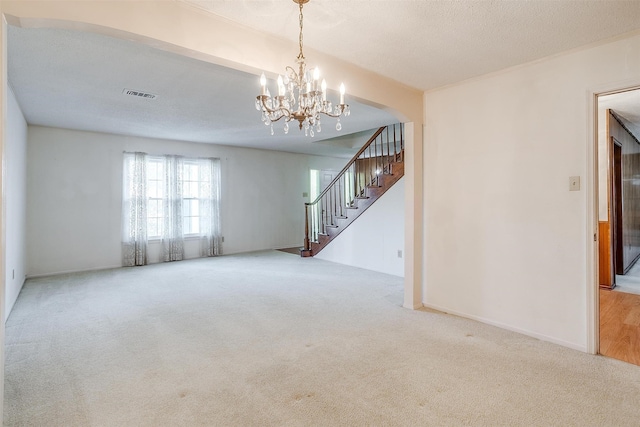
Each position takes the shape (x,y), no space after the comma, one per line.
(574,183)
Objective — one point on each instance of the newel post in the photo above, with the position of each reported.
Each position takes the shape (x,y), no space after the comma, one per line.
(306,252)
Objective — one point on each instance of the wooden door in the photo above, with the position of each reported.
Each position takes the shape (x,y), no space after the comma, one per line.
(616,207)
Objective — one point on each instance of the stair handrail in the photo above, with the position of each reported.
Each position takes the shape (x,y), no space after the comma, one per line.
(333,197)
(347,166)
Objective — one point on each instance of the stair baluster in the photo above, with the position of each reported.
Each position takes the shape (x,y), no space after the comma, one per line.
(364,179)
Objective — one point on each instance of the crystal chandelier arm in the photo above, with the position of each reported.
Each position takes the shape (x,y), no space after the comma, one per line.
(280,117)
(294,76)
(335,115)
(275,114)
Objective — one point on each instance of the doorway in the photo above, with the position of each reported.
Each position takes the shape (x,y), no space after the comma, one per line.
(619,224)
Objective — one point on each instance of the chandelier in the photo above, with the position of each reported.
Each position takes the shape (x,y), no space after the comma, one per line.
(300,96)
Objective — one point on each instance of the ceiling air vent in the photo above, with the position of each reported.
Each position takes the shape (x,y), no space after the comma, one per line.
(139,94)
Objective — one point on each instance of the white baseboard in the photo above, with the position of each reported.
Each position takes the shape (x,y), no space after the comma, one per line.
(415,307)
(13,303)
(58,273)
(501,325)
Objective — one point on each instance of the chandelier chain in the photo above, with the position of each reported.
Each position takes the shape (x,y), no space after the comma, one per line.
(300,55)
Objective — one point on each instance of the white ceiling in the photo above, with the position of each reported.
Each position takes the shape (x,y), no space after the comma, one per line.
(432,43)
(75,80)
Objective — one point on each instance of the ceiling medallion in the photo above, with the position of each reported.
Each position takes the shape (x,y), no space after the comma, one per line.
(300,96)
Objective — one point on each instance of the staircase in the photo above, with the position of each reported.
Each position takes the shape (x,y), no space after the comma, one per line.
(367,176)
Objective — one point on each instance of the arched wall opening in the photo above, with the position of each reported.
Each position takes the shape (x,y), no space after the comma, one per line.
(182,29)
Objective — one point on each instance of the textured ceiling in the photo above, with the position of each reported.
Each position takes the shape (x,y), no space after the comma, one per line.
(428,44)
(75,80)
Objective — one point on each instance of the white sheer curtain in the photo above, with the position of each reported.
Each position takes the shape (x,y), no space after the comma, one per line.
(172,237)
(210,230)
(169,199)
(134,209)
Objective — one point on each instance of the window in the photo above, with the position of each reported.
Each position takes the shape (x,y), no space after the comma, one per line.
(191,184)
(191,197)
(155,197)
(167,198)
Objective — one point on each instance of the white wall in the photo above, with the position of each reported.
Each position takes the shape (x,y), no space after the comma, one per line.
(16,201)
(75,194)
(506,242)
(373,240)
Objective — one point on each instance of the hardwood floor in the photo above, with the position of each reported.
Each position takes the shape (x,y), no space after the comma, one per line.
(295,250)
(620,325)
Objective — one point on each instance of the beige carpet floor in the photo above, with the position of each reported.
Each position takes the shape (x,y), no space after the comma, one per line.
(272,339)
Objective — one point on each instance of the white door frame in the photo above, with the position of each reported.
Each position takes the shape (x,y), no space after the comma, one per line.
(593,285)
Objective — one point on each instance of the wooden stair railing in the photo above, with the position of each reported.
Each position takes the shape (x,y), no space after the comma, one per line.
(370,173)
